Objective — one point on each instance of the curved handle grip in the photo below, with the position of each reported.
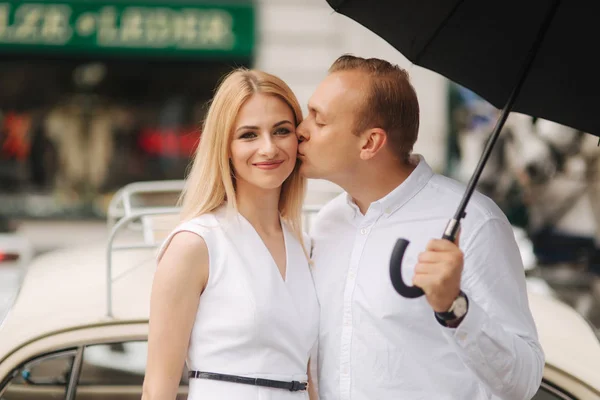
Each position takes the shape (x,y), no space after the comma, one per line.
(410,292)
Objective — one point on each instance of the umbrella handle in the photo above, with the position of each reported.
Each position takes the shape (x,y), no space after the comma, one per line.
(413,292)
(410,292)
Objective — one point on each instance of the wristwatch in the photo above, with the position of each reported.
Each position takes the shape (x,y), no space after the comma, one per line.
(457,310)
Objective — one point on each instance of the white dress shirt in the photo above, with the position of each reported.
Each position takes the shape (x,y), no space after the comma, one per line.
(375,344)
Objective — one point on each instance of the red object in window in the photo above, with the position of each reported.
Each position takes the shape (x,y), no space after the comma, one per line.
(16,128)
(5,257)
(171,143)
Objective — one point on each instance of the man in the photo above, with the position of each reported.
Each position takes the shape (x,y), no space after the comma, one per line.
(472,335)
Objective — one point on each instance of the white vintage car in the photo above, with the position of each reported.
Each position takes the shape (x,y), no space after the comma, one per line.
(79,327)
(15,253)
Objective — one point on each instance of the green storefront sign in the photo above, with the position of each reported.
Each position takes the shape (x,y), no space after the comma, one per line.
(171,28)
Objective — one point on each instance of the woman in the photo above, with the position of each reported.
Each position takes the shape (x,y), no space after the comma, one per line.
(233,291)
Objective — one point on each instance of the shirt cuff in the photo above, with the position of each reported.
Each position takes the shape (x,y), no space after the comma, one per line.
(469,327)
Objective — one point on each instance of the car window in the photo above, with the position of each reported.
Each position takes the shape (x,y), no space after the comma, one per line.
(114,363)
(550,392)
(42,378)
(116,370)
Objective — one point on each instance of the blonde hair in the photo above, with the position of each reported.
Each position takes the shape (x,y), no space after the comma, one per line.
(209,184)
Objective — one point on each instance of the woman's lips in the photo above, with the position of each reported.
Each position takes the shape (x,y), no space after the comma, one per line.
(269,164)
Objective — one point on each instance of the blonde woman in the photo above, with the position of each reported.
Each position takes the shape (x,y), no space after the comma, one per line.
(233,294)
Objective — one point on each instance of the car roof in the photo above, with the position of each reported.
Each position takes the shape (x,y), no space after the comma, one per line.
(568,340)
(66,289)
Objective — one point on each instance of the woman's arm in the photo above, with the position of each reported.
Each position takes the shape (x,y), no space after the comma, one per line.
(180,278)
(312,389)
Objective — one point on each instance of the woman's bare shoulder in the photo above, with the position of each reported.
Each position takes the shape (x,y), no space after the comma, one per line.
(185,261)
(186,246)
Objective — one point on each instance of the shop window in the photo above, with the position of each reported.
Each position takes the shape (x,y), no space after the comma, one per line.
(74,132)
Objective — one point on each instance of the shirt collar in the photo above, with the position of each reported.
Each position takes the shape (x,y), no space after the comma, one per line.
(395,199)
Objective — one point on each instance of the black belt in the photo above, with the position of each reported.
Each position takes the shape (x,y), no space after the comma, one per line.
(292,386)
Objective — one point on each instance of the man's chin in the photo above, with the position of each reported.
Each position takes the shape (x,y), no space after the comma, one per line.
(306,171)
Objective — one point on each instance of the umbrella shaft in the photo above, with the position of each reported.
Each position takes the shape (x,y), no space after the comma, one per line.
(452,229)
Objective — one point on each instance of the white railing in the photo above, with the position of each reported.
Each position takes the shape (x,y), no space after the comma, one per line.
(123,202)
(126,210)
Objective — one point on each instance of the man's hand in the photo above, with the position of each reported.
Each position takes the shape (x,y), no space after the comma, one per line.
(438,272)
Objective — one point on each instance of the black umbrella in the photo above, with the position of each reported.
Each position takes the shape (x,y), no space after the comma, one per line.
(535,57)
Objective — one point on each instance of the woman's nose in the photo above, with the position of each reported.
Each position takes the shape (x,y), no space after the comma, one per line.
(268,147)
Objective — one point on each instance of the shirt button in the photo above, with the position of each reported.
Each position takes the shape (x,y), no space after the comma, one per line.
(364,231)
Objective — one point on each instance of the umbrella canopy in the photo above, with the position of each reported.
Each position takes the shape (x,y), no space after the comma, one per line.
(533,56)
(482,46)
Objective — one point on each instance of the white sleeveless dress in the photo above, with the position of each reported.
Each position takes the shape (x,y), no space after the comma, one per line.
(250,321)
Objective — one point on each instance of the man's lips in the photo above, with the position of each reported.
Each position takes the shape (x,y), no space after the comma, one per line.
(300,153)
(268,164)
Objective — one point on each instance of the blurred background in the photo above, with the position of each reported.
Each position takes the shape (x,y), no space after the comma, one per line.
(97,94)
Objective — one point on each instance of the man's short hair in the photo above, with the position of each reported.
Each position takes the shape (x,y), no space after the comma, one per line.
(391,105)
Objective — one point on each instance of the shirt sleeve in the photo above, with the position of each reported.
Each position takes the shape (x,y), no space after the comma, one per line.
(498,339)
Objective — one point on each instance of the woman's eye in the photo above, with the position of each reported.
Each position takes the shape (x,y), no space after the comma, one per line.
(319,124)
(248,135)
(282,131)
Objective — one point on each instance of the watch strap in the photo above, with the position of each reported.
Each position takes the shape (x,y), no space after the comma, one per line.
(450,315)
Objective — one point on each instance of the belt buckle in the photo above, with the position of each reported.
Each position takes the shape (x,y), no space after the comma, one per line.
(296,386)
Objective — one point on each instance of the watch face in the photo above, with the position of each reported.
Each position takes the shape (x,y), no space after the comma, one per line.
(460,307)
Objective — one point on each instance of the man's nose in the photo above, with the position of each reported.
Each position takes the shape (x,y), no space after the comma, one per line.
(302,132)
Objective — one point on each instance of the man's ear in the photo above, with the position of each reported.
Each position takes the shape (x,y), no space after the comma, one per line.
(373,141)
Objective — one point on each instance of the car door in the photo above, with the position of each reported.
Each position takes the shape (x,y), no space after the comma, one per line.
(107,371)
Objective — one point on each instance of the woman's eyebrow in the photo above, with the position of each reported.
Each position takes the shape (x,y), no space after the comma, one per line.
(246,127)
(285,121)
(252,127)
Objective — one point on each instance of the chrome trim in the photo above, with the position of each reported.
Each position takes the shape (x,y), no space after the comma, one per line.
(110,248)
(122,212)
(74,377)
(556,392)
(120,205)
(50,356)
